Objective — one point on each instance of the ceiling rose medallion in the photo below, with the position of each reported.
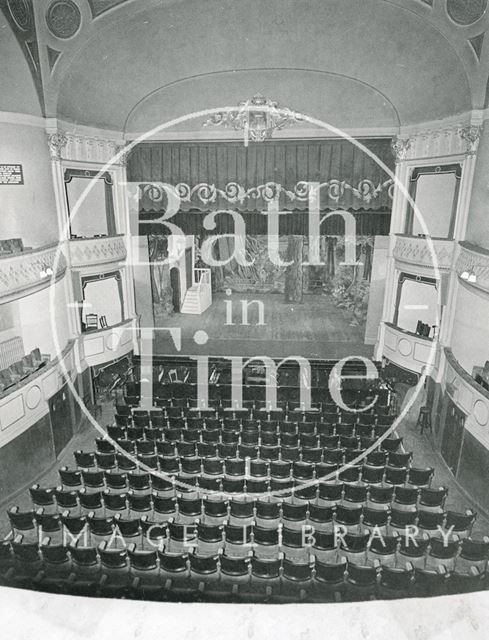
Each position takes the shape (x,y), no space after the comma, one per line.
(257,117)
(21,14)
(63,18)
(466,12)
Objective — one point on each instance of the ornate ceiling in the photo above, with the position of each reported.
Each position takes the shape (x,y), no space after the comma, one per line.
(130,64)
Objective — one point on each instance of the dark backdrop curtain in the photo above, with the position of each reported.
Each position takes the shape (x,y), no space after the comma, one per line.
(228,175)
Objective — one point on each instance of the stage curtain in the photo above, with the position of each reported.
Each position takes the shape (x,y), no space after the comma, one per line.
(368,223)
(227,175)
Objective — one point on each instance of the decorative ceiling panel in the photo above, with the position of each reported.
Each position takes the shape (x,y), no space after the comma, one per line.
(466,12)
(63,18)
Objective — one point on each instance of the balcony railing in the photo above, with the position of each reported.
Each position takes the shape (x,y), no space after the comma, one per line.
(28,271)
(474,260)
(469,396)
(97,251)
(416,250)
(23,404)
(108,344)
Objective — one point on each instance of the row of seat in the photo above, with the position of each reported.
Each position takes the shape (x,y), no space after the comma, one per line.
(79,483)
(233,449)
(235,472)
(296,528)
(159,574)
(331,414)
(286,433)
(288,397)
(153,441)
(238,470)
(221,390)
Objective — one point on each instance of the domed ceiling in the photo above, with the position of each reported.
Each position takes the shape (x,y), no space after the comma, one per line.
(130,65)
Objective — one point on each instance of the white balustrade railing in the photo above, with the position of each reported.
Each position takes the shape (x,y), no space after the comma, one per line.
(30,270)
(96,251)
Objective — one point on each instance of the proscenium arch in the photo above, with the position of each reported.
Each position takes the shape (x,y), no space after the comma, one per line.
(260,70)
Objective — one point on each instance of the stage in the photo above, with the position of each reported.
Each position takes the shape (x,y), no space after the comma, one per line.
(314,329)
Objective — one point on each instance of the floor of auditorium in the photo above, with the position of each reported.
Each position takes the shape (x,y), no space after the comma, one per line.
(315,328)
(421,445)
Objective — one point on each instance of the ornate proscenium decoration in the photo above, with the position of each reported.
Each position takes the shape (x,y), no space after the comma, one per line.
(471,134)
(57,142)
(257,117)
(400,147)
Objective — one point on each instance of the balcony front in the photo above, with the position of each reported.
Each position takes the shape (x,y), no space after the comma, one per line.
(28,271)
(409,350)
(424,251)
(104,345)
(96,251)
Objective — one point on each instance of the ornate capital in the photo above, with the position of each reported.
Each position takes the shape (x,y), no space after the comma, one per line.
(471,134)
(120,148)
(400,148)
(57,142)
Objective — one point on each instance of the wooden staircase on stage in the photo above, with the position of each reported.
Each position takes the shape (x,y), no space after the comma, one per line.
(199,297)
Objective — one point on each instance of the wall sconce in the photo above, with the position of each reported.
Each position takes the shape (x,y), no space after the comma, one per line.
(469,276)
(45,273)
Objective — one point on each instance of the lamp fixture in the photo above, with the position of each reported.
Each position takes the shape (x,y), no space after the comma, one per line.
(469,276)
(258,117)
(45,272)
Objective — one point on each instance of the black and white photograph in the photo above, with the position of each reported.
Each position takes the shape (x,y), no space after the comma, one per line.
(244,319)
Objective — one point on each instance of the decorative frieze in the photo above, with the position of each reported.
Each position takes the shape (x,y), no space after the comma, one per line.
(95,251)
(84,148)
(417,251)
(456,139)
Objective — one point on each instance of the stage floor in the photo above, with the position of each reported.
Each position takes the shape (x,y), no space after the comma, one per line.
(314,329)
